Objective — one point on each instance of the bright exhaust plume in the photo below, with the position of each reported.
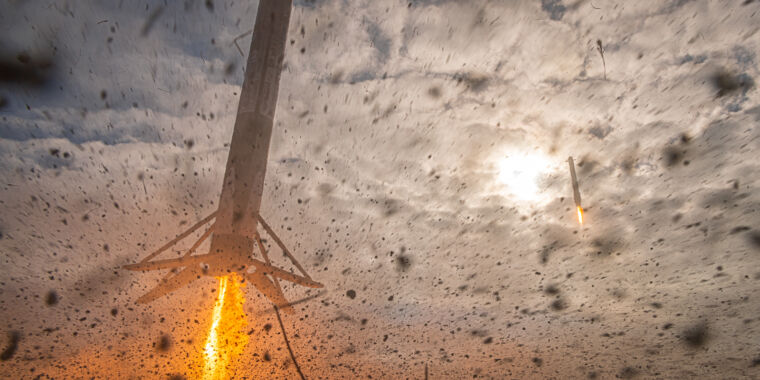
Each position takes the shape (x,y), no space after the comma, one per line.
(226,337)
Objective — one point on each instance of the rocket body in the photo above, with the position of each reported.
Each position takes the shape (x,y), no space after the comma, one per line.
(243,186)
(576,190)
(235,222)
(574,178)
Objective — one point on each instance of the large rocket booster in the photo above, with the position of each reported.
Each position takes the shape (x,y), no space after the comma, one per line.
(234,232)
(576,190)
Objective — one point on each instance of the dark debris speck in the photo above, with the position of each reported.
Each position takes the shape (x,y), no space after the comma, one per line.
(628,373)
(13,339)
(696,335)
(51,298)
(164,343)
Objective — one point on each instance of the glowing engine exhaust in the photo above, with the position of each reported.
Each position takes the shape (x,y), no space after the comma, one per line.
(226,337)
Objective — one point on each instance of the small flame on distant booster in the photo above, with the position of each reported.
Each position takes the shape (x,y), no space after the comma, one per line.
(580,214)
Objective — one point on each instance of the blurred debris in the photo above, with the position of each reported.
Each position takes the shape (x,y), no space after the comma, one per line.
(673,155)
(551,289)
(25,70)
(628,373)
(51,298)
(600,49)
(151,20)
(695,336)
(229,68)
(554,8)
(13,339)
(728,83)
(474,82)
(403,262)
(558,305)
(164,343)
(434,92)
(754,239)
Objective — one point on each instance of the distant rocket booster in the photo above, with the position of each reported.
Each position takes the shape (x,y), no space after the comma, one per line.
(576,190)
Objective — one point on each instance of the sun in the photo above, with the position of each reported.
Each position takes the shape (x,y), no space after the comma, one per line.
(520,173)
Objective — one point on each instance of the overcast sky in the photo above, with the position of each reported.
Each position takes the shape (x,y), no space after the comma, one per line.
(418,168)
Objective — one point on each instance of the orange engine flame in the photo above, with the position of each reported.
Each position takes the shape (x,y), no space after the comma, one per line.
(226,338)
(580,214)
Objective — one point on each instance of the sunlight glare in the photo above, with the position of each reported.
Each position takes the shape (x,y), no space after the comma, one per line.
(520,173)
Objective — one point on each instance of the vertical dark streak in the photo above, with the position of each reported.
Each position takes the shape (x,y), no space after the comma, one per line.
(287,342)
(277,310)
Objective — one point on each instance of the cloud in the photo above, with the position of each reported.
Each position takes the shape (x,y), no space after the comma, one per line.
(384,180)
